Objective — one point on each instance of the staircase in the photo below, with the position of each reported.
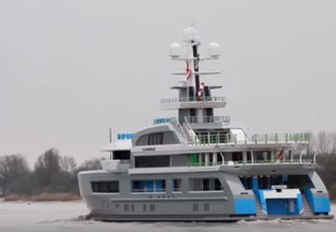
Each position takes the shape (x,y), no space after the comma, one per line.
(307,211)
(181,131)
(187,133)
(260,212)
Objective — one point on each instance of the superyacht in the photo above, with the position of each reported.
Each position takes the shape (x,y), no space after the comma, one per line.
(202,167)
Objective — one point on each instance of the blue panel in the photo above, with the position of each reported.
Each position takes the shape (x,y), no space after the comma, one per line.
(158,186)
(255,183)
(262,200)
(319,204)
(277,207)
(245,206)
(299,204)
(124,136)
(149,186)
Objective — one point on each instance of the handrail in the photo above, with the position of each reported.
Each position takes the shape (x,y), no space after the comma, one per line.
(225,138)
(281,138)
(208,119)
(255,162)
(192,99)
(178,128)
(189,129)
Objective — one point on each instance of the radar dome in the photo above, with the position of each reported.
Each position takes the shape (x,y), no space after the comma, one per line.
(175,50)
(213,50)
(190,33)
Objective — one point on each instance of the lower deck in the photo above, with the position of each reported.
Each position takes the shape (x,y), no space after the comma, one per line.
(208,195)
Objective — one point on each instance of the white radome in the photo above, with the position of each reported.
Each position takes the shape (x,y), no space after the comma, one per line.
(190,34)
(214,49)
(175,50)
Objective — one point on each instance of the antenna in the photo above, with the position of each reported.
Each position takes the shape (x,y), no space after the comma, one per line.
(110,135)
(189,53)
(110,139)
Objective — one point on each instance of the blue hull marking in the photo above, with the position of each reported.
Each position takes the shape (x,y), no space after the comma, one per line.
(245,206)
(319,204)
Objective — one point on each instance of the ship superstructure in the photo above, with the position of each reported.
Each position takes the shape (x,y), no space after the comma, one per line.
(202,167)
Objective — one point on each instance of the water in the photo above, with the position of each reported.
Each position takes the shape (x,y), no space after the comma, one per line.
(65,216)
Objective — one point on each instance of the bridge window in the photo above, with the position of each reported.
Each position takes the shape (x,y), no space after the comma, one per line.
(152,161)
(105,186)
(155,139)
(167,137)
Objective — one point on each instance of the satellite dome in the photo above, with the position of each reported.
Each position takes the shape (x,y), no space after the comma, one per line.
(175,50)
(190,33)
(214,50)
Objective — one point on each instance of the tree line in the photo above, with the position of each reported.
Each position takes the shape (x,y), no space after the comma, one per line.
(53,173)
(324,144)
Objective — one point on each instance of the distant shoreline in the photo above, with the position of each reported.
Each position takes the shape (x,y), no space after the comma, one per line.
(43,197)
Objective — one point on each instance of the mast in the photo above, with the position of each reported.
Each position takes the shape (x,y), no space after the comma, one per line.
(196,64)
(195,101)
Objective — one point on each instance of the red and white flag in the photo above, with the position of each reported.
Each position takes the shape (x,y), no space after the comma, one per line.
(280,155)
(188,71)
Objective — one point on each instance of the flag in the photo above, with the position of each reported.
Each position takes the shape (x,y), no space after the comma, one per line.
(188,71)
(280,155)
(200,91)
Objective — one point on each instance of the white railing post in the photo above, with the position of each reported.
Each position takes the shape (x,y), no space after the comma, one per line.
(315,157)
(301,154)
(223,161)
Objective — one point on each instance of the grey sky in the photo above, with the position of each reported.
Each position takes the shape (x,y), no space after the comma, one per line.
(69,70)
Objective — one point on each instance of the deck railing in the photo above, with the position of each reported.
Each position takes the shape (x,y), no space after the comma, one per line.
(281,138)
(208,119)
(225,138)
(255,162)
(192,99)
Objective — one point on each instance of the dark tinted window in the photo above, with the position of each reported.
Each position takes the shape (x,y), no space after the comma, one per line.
(105,186)
(205,184)
(167,137)
(152,161)
(155,139)
(121,155)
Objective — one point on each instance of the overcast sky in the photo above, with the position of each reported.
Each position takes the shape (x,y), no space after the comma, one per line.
(69,70)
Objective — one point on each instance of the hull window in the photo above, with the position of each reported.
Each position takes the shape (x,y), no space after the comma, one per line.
(205,184)
(177,185)
(105,186)
(195,207)
(140,186)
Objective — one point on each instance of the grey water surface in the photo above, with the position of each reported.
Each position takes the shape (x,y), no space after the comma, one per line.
(66,216)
